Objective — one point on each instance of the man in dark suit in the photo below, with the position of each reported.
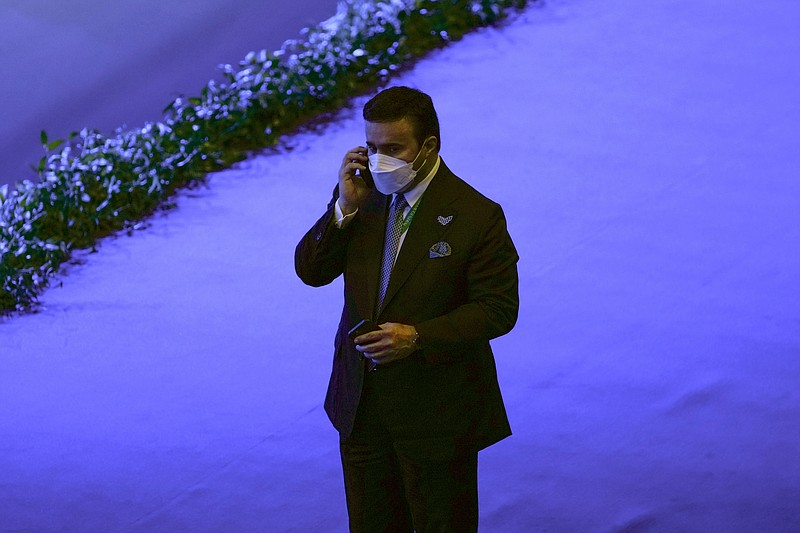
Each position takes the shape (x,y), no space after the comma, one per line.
(429,260)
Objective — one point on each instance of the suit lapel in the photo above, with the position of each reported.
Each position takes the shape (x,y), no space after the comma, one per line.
(372,229)
(426,230)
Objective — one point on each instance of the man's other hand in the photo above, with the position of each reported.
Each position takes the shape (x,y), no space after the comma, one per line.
(392,343)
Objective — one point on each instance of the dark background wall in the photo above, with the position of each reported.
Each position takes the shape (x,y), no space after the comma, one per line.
(99,64)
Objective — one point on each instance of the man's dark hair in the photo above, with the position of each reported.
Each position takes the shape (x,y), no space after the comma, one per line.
(397,103)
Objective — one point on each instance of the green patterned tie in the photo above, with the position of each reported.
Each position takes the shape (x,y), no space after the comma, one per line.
(394,230)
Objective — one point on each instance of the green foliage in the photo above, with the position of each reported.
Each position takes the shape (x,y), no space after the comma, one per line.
(91,185)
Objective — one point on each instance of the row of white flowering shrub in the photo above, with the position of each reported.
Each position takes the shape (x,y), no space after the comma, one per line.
(91,185)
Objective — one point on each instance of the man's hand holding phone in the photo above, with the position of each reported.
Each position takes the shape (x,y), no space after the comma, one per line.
(355,181)
(388,343)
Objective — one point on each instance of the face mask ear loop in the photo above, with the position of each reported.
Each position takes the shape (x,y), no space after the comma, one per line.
(424,160)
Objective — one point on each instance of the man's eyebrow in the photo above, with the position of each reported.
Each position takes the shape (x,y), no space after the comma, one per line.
(391,144)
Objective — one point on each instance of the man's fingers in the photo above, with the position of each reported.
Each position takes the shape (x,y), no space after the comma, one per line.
(381,346)
(369,338)
(356,155)
(351,168)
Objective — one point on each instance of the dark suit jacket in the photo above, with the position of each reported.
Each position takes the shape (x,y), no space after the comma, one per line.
(457,302)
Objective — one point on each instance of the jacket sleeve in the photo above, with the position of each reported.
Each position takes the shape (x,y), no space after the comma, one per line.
(492,297)
(319,257)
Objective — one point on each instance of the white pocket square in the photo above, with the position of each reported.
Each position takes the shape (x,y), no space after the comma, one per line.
(444,220)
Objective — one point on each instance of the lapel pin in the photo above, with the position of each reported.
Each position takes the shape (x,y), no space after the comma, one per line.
(444,220)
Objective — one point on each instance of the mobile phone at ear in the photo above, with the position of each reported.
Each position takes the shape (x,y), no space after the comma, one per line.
(366,175)
(365,326)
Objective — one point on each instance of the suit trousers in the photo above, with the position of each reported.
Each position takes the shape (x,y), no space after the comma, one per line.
(396,481)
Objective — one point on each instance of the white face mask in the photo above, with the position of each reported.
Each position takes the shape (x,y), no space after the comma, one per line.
(391,174)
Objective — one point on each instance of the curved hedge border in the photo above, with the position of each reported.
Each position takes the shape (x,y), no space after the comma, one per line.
(91,185)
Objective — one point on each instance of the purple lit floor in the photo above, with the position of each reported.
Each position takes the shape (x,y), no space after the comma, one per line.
(646,154)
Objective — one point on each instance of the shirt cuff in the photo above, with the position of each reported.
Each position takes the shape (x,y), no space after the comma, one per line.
(341,219)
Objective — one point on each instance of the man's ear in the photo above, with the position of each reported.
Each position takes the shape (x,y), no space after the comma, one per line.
(431,143)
